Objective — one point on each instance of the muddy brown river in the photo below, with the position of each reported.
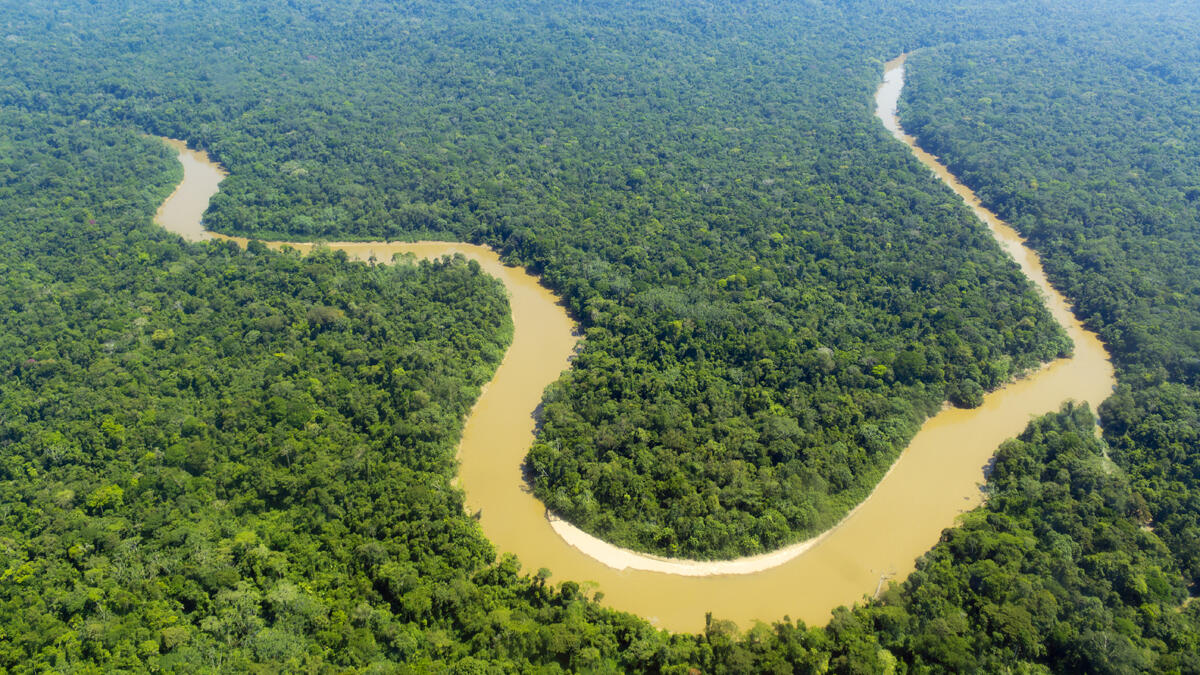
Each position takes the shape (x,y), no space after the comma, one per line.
(934,480)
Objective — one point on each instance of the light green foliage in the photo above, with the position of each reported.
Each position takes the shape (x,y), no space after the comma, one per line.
(105,497)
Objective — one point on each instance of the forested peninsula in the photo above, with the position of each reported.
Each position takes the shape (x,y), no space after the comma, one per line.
(214,458)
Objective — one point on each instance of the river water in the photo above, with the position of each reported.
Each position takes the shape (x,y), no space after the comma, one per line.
(935,479)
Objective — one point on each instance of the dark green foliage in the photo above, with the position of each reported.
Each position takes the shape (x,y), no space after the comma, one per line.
(1155,432)
(965,394)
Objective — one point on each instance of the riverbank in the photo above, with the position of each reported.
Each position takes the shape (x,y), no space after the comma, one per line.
(1090,355)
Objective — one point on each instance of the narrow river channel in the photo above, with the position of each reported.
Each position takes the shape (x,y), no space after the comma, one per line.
(935,479)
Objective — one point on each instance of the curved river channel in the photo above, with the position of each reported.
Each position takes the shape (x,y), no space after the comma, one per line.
(935,479)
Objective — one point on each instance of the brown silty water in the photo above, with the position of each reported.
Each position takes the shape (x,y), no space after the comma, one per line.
(934,480)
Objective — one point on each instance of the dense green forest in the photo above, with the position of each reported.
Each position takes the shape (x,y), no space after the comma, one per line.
(226,460)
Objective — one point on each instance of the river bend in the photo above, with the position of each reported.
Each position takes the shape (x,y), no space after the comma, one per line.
(934,480)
